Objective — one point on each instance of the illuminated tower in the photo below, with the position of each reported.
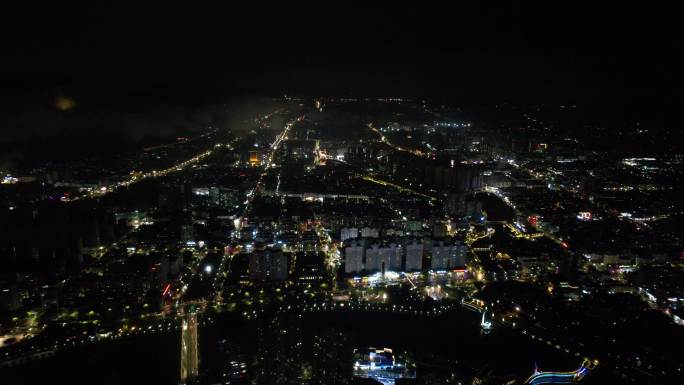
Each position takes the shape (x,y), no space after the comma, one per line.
(189,355)
(254,158)
(486,325)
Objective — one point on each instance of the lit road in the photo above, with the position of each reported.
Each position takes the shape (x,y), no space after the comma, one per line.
(473,237)
(395,186)
(224,267)
(519,213)
(269,163)
(139,177)
(384,139)
(333,260)
(223,271)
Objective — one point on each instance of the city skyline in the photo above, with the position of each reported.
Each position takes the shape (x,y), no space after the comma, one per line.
(341,194)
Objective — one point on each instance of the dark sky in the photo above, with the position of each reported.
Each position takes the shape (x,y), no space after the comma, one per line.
(185,54)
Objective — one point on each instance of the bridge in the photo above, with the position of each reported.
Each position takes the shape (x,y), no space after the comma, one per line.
(540,377)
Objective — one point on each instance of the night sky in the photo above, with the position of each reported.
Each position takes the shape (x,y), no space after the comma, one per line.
(127,56)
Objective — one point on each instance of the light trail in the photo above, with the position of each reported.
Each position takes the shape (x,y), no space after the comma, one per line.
(409,280)
(395,186)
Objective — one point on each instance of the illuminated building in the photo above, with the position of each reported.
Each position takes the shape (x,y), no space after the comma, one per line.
(254,158)
(353,257)
(309,268)
(382,365)
(383,258)
(447,255)
(214,197)
(368,232)
(187,233)
(268,265)
(348,233)
(414,256)
(541,147)
(533,220)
